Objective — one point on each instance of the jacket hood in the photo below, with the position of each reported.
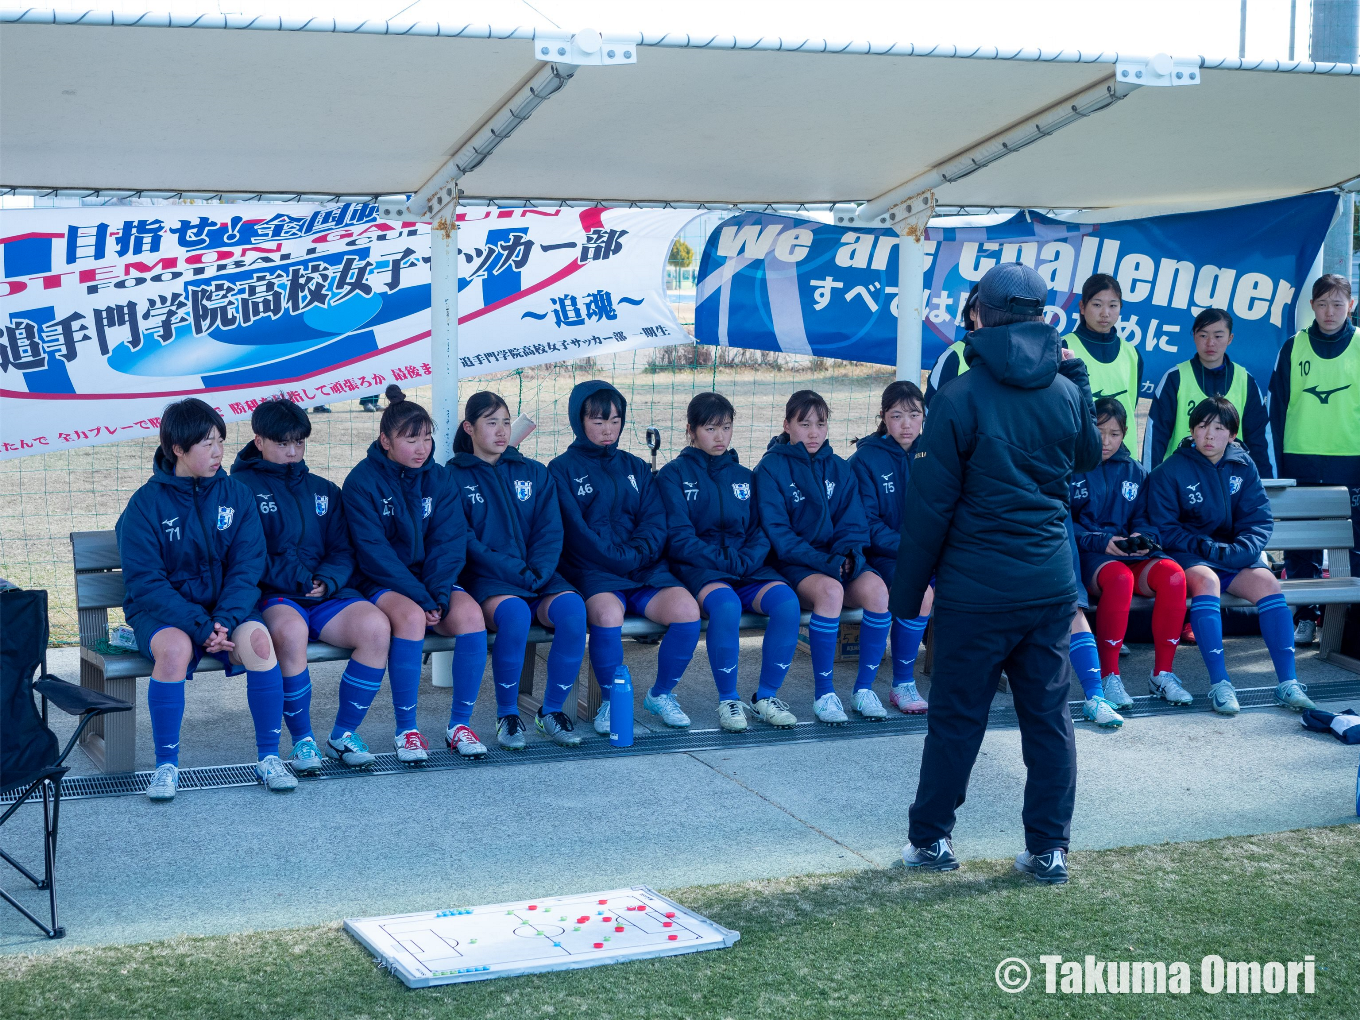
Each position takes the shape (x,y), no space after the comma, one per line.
(780,444)
(708,462)
(251,459)
(579,393)
(1024,354)
(163,473)
(1120,455)
(875,441)
(463,459)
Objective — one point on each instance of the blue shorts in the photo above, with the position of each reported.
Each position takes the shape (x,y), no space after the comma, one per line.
(748,592)
(636,600)
(317,616)
(145,635)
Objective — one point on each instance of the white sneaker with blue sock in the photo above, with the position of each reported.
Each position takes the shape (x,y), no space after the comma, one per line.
(868,705)
(828,709)
(666,708)
(274,774)
(1292,694)
(164,784)
(306,755)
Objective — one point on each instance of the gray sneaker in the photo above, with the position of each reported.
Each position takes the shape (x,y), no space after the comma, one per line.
(732,716)
(559,728)
(666,708)
(828,709)
(868,705)
(1049,868)
(349,750)
(1292,694)
(602,719)
(939,856)
(1167,686)
(774,712)
(164,784)
(1305,632)
(510,732)
(1223,698)
(1115,693)
(306,756)
(274,774)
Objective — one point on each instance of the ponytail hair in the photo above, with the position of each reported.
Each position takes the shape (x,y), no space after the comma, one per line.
(478,406)
(903,391)
(403,417)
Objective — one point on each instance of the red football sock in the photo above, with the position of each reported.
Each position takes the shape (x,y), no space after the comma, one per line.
(1166,580)
(1112,613)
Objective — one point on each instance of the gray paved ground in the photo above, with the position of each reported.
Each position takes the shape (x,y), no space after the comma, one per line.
(240,859)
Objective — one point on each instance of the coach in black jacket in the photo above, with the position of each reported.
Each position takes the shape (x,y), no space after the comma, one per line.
(987,503)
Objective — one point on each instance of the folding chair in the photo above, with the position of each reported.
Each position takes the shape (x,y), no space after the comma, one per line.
(29,757)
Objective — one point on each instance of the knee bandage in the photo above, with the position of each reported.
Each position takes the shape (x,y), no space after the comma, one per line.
(250,638)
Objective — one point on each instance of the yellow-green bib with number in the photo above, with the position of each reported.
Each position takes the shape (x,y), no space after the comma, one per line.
(1191,393)
(1324,401)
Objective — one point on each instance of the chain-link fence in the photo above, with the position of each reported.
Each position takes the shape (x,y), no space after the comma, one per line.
(44,498)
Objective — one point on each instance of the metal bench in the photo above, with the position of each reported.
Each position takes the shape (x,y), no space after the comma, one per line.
(111,741)
(1312,517)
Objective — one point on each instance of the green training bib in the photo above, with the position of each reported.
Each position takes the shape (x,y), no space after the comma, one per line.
(1323,419)
(1118,379)
(1191,393)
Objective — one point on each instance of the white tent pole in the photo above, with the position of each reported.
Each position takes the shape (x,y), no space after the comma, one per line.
(910,223)
(444,365)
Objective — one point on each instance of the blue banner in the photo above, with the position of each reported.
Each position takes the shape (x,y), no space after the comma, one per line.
(782,283)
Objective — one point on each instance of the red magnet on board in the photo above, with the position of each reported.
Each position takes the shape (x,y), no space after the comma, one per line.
(672,938)
(582,920)
(606,920)
(670,913)
(604,901)
(642,906)
(532,907)
(666,924)
(619,928)
(599,945)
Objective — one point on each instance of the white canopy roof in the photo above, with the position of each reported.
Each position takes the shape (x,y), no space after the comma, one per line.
(220,104)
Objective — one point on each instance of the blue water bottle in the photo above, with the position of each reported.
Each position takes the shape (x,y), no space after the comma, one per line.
(621,709)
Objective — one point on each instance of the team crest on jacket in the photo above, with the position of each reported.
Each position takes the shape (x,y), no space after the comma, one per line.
(830,488)
(634,481)
(742,490)
(1130,490)
(323,503)
(523,489)
(427,506)
(224,517)
(1234,483)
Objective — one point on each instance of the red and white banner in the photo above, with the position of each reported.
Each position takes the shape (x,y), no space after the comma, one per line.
(110,313)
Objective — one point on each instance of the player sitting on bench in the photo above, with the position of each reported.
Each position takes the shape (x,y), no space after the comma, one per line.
(304,583)
(192,552)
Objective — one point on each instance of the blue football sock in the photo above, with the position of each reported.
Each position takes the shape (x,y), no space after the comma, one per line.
(822,632)
(166,702)
(780,643)
(724,639)
(1085,658)
(1277,628)
(568,615)
(403,675)
(676,649)
(507,654)
(297,704)
(264,695)
(358,686)
(1207,623)
(469,663)
(873,638)
(906,645)
(606,655)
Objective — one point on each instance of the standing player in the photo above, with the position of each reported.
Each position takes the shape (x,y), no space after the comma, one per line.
(306,578)
(514,543)
(718,548)
(1209,508)
(410,539)
(951,364)
(192,554)
(1109,506)
(882,464)
(1210,373)
(1115,367)
(810,508)
(1315,419)
(614,551)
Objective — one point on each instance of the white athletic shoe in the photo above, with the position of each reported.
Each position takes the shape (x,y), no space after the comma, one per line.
(350,750)
(465,742)
(1167,686)
(1102,713)
(271,771)
(732,716)
(666,708)
(866,703)
(164,784)
(828,709)
(411,747)
(906,698)
(1115,693)
(602,719)
(774,712)
(306,757)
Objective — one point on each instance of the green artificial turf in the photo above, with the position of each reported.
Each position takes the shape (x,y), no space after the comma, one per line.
(876,943)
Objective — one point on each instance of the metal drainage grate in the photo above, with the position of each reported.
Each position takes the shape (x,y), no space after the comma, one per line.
(220,777)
